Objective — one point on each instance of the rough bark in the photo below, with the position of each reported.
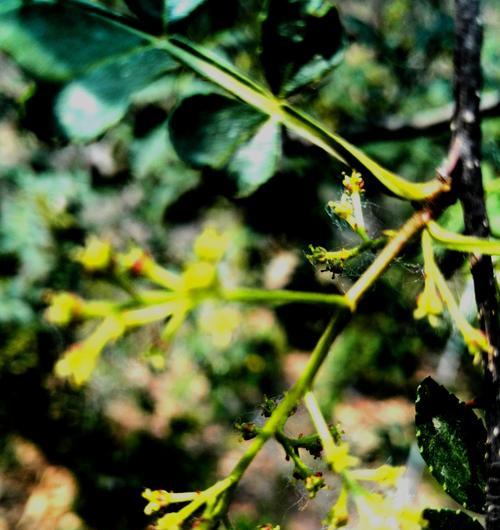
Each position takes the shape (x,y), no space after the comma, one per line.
(467,180)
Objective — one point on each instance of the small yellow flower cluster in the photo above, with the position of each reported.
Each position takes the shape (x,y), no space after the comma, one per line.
(348,208)
(436,291)
(178,295)
(375,511)
(353,183)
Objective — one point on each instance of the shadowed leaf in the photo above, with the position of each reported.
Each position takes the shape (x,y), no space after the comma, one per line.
(452,441)
(301,41)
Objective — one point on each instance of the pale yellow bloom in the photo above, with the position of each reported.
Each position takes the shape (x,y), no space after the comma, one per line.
(95,255)
(220,324)
(385,475)
(379,513)
(210,245)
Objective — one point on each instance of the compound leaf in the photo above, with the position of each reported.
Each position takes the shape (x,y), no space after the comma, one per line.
(452,441)
(301,42)
(450,519)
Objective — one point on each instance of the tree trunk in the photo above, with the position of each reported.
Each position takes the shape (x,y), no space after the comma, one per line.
(468,184)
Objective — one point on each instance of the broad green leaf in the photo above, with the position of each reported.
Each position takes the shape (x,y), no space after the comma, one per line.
(450,520)
(301,42)
(90,105)
(57,42)
(218,132)
(452,441)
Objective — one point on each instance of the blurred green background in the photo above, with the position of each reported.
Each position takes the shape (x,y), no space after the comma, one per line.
(79,458)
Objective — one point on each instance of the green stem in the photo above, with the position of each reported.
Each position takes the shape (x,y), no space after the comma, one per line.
(281,296)
(225,76)
(294,395)
(416,222)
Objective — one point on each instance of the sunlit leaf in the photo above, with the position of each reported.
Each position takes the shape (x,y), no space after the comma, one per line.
(450,519)
(163,11)
(301,41)
(218,132)
(90,105)
(452,441)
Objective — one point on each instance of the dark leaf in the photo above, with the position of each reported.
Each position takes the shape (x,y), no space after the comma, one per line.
(56,42)
(218,132)
(301,41)
(452,441)
(450,520)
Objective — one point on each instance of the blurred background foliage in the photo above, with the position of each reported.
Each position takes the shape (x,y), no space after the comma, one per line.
(163,419)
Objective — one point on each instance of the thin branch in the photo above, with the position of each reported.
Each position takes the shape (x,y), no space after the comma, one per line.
(426,123)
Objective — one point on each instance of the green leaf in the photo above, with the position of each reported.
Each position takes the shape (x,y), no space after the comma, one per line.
(218,132)
(452,441)
(57,43)
(163,11)
(450,520)
(256,161)
(301,42)
(179,9)
(95,102)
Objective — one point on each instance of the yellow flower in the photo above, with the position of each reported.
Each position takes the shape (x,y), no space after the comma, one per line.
(210,245)
(354,183)
(156,499)
(78,363)
(339,515)
(429,304)
(63,308)
(379,513)
(95,255)
(385,475)
(199,275)
(340,458)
